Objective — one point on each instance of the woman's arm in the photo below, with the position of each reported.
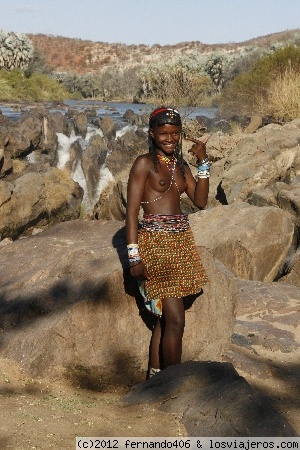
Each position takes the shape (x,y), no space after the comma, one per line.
(198,190)
(135,191)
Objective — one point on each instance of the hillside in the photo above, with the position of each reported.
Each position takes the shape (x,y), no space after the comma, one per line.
(83,56)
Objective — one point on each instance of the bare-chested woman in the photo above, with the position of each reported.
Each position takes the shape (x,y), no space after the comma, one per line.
(162,253)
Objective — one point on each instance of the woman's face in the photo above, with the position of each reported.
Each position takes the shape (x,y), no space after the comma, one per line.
(166,138)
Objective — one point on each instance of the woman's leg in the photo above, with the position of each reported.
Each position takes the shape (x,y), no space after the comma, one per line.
(174,321)
(155,345)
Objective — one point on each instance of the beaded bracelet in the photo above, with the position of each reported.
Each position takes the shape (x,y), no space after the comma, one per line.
(133,253)
(203,161)
(204,168)
(204,174)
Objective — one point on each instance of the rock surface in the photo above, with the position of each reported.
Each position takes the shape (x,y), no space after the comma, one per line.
(76,312)
(213,400)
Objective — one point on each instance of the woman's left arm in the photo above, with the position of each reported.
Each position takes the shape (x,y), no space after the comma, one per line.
(198,190)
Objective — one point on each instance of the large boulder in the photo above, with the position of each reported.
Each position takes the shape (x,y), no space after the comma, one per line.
(33,130)
(259,160)
(70,308)
(80,124)
(93,159)
(37,200)
(108,127)
(212,400)
(253,242)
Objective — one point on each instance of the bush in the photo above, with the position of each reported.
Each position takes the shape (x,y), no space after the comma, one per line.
(6,91)
(283,97)
(14,86)
(247,92)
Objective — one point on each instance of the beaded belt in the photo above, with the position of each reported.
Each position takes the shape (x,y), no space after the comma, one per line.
(161,222)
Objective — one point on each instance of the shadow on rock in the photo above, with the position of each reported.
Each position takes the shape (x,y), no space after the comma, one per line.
(213,400)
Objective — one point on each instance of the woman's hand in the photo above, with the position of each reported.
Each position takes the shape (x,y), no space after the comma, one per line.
(139,271)
(199,147)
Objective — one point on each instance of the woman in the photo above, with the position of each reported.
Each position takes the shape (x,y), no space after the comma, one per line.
(162,253)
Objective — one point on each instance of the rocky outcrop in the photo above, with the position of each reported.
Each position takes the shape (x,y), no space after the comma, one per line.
(212,399)
(259,160)
(37,200)
(253,242)
(93,158)
(267,320)
(261,169)
(81,313)
(80,124)
(108,127)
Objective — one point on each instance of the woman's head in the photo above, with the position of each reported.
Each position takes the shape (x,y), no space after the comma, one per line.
(164,115)
(164,133)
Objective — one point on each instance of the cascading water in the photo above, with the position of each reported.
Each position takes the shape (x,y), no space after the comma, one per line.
(77,174)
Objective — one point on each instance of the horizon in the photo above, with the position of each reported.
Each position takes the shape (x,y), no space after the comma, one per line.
(159,22)
(153,45)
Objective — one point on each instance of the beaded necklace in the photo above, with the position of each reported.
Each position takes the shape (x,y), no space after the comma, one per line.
(171,164)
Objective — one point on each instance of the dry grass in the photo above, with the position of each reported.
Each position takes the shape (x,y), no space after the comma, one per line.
(58,188)
(283,98)
(18,166)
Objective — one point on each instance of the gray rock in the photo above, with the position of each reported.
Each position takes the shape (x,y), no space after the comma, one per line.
(37,199)
(253,242)
(68,307)
(212,399)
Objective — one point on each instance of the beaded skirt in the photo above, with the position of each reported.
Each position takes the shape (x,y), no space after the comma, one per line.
(167,247)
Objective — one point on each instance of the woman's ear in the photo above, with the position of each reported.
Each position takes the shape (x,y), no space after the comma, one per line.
(151,132)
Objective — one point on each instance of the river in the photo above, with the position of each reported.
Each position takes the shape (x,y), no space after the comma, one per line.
(113,109)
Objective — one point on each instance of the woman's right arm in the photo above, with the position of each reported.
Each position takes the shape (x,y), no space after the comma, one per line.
(135,191)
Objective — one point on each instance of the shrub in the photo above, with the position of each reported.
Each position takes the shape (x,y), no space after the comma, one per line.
(247,92)
(283,97)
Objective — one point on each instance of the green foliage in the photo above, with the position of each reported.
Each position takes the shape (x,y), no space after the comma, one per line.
(16,50)
(283,97)
(6,90)
(110,84)
(248,91)
(37,64)
(181,83)
(15,86)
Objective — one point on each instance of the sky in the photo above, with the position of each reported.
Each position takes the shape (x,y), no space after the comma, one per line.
(164,22)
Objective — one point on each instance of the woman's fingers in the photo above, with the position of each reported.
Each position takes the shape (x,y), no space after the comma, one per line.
(197,141)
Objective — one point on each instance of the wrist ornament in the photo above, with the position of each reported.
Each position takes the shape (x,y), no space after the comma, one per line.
(203,168)
(133,253)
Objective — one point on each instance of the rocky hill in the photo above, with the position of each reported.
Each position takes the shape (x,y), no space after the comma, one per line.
(83,56)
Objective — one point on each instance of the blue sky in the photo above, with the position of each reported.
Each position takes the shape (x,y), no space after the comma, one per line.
(151,21)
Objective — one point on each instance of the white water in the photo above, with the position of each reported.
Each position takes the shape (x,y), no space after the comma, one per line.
(105,176)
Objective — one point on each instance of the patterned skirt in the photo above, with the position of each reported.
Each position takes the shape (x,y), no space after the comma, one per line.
(168,249)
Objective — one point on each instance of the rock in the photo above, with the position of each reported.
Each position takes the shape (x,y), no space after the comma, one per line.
(253,242)
(212,399)
(259,160)
(108,128)
(141,120)
(70,309)
(80,124)
(93,159)
(37,200)
(33,130)
(255,123)
(267,326)
(292,268)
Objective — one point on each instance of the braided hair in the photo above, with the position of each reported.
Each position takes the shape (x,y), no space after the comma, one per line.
(162,116)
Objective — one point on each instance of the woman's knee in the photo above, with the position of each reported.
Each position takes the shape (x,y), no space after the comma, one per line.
(174,314)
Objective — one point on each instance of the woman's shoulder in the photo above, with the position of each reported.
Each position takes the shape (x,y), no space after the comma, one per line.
(143,160)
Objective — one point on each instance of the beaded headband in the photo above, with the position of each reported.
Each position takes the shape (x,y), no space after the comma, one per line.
(164,116)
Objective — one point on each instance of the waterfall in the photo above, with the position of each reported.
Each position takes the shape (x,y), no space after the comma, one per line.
(63,151)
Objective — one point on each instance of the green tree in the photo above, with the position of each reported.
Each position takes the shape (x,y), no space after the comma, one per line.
(16,50)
